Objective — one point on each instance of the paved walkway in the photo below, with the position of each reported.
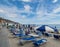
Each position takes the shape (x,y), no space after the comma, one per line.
(4,41)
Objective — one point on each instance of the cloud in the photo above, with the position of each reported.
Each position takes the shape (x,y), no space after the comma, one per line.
(23,0)
(23,16)
(12,15)
(54,1)
(43,15)
(9,12)
(27,8)
(14,12)
(26,0)
(2,11)
(56,10)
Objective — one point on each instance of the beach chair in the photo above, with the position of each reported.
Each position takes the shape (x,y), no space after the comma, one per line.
(16,33)
(26,39)
(19,35)
(12,30)
(39,33)
(33,35)
(56,36)
(39,42)
(47,34)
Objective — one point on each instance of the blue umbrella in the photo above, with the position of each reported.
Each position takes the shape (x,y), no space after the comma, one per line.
(44,28)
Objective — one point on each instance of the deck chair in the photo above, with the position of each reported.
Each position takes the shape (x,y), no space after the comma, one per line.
(26,39)
(39,42)
(56,36)
(48,35)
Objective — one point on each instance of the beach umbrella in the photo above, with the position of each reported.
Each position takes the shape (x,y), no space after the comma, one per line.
(46,28)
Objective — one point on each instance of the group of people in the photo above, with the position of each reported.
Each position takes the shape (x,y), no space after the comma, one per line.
(23,29)
(27,30)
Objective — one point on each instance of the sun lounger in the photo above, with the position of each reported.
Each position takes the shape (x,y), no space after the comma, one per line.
(12,30)
(17,35)
(16,32)
(28,39)
(33,35)
(39,42)
(57,36)
(48,34)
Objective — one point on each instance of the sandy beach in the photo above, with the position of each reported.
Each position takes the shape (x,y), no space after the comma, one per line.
(50,43)
(14,41)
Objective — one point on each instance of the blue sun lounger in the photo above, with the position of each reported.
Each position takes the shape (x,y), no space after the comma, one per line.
(56,36)
(28,39)
(39,42)
(48,34)
(18,35)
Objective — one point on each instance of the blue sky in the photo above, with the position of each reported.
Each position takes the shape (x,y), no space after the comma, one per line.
(31,11)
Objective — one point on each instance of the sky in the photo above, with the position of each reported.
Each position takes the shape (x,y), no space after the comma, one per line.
(31,11)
